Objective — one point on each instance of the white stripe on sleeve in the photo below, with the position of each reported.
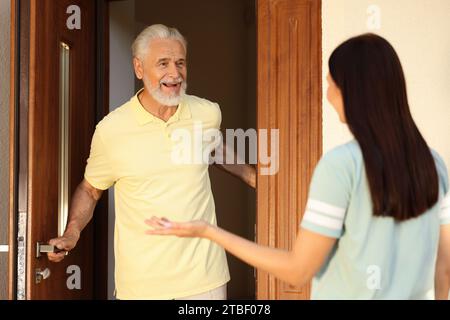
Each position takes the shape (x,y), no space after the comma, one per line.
(328,209)
(322,220)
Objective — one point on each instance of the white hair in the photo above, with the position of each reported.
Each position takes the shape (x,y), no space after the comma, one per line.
(140,45)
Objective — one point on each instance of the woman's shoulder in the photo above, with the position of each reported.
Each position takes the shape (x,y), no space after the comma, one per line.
(438,159)
(343,154)
(344,160)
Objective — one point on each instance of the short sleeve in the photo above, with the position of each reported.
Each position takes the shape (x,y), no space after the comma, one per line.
(329,194)
(218,116)
(444,209)
(98,171)
(444,193)
(444,212)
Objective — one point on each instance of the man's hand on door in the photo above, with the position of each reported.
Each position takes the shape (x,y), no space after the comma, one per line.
(82,208)
(65,243)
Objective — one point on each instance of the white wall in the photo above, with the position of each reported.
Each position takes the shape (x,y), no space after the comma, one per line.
(419,30)
(121,89)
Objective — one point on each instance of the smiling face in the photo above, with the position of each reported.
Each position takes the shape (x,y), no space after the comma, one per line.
(163,71)
(334,96)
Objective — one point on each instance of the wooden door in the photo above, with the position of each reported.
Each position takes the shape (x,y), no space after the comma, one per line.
(289,99)
(56,116)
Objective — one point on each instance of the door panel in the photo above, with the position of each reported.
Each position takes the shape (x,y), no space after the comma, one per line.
(48,28)
(289,99)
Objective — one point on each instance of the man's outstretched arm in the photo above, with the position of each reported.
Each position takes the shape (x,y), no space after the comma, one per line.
(82,208)
(245,172)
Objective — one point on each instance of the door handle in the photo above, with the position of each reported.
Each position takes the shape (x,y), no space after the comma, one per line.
(46,248)
(42,274)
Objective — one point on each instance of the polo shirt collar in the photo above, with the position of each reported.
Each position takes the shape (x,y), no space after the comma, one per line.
(143,116)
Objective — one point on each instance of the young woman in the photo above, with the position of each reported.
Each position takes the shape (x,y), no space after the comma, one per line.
(376,225)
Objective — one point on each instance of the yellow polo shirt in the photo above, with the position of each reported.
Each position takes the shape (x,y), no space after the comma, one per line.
(132,150)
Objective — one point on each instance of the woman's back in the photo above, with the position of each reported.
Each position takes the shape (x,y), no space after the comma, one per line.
(374,257)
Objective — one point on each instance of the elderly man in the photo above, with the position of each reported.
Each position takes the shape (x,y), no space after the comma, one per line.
(133,150)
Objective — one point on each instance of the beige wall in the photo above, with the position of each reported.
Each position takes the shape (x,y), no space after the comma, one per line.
(419,31)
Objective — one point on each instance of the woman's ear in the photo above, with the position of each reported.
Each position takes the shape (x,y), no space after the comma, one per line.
(138,68)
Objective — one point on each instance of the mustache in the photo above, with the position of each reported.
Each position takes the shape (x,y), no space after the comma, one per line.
(172,82)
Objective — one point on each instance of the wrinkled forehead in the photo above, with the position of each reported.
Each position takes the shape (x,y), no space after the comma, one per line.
(166,49)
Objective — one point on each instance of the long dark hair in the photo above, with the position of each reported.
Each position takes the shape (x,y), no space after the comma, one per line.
(399,165)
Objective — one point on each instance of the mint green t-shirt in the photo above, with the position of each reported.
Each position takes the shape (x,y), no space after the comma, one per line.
(374,257)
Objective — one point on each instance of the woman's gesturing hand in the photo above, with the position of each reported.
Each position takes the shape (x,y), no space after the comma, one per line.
(162,226)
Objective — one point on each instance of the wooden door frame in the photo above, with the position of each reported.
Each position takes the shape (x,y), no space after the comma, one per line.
(20,196)
(101,214)
(19,102)
(281,198)
(14,116)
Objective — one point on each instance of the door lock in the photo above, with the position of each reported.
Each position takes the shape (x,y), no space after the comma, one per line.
(42,274)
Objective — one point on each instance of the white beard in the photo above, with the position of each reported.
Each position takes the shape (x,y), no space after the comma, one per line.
(164,99)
